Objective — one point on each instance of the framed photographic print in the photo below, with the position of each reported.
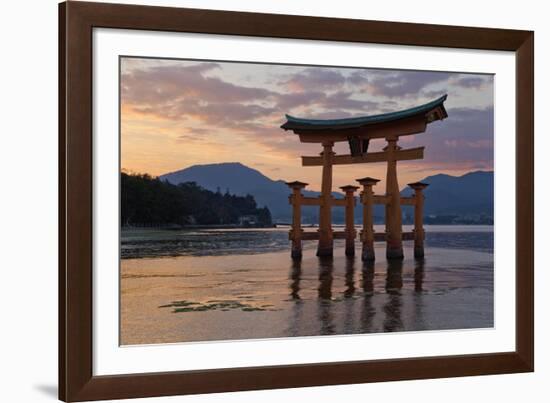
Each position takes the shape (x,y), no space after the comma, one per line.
(252,201)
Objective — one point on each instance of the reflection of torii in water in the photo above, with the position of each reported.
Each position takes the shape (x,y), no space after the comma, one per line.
(391,314)
(358,132)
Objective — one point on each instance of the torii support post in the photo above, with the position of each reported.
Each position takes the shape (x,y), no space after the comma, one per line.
(350,222)
(418,218)
(367,234)
(296,231)
(394,243)
(324,247)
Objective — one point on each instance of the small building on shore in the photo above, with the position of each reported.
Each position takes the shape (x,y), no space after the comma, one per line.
(249,220)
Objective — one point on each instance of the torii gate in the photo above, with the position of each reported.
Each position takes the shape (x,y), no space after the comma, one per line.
(358,132)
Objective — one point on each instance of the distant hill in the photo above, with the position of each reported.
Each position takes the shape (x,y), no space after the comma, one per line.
(470,194)
(239,179)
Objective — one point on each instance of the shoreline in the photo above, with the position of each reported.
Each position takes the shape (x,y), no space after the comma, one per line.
(147,243)
(176,227)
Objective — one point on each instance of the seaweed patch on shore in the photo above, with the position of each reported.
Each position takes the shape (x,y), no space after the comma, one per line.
(213,305)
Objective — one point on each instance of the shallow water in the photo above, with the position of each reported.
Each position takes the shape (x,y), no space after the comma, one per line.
(139,243)
(223,295)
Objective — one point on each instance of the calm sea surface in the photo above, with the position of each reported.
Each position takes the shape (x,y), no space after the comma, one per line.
(149,243)
(200,285)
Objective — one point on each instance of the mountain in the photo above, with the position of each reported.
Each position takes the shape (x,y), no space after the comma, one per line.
(467,195)
(241,180)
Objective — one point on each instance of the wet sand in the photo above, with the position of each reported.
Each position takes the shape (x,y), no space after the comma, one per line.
(200,298)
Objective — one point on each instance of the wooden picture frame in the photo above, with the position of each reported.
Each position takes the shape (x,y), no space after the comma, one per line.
(76,22)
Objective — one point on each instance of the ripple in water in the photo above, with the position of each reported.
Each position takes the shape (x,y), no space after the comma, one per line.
(147,243)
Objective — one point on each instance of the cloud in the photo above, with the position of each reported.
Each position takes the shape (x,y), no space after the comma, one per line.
(315,77)
(163,84)
(466,135)
(333,114)
(469,81)
(344,100)
(403,83)
(341,101)
(196,140)
(197,131)
(358,78)
(288,101)
(187,93)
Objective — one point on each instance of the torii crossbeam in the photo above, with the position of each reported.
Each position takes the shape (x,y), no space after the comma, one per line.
(358,132)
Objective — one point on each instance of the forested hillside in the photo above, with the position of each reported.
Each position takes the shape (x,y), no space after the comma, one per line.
(146,200)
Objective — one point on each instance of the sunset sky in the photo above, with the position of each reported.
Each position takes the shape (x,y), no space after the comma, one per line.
(178,113)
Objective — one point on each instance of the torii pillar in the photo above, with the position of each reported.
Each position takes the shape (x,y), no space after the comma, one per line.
(394,242)
(296,232)
(324,247)
(367,234)
(418,218)
(349,190)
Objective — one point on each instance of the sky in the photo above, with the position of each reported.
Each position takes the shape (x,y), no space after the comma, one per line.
(179,113)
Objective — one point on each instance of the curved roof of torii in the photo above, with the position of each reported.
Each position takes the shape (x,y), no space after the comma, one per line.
(294,123)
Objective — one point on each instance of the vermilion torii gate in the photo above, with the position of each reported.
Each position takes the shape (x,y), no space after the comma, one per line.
(358,132)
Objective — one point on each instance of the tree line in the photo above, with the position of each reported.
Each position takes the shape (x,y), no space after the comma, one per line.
(146,200)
